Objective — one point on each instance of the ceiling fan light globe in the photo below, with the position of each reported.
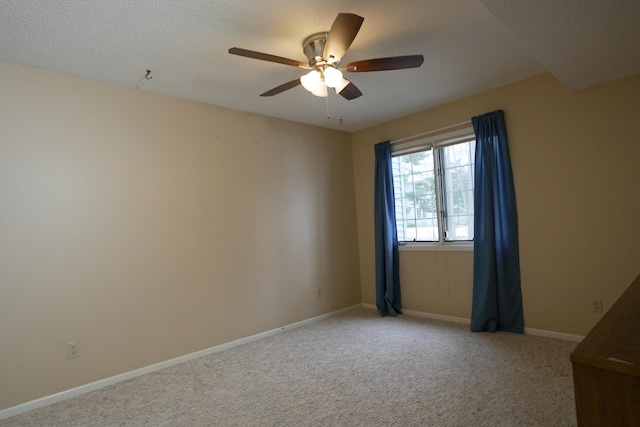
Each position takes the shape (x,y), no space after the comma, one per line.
(311,80)
(332,76)
(321,90)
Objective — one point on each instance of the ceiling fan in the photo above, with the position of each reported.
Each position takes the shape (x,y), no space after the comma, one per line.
(324,52)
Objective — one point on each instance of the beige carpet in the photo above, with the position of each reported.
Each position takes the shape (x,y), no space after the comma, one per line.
(355,369)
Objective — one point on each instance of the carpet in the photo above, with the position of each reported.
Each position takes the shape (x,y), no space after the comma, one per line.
(354,369)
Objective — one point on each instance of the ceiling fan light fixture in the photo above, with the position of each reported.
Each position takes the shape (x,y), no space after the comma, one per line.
(321,90)
(311,80)
(332,76)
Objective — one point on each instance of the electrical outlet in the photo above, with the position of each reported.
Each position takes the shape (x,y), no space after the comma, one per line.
(596,306)
(319,293)
(73,349)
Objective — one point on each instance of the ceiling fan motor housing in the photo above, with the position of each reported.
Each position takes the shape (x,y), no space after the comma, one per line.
(313,47)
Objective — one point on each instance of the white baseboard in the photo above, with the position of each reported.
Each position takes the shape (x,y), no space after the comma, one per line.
(529,331)
(552,334)
(86,388)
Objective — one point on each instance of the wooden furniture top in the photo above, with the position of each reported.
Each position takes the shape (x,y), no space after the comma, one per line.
(614,343)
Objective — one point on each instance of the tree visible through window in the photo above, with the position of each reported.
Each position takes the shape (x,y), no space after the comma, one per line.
(433,186)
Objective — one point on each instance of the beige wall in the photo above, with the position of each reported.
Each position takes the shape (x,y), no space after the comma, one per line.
(576,163)
(148,227)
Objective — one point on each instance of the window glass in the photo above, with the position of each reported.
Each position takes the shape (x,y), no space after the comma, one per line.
(433,189)
(458,167)
(415,196)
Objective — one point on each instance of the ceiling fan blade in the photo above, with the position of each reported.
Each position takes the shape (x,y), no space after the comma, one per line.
(266,57)
(382,64)
(282,88)
(341,35)
(350,92)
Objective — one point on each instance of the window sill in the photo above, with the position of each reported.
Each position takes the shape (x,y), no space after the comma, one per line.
(440,247)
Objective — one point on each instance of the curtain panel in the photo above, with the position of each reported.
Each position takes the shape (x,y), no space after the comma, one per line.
(497,295)
(386,235)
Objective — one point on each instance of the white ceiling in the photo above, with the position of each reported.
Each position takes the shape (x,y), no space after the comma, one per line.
(469,46)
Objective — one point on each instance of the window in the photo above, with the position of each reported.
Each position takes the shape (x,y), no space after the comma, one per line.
(433,186)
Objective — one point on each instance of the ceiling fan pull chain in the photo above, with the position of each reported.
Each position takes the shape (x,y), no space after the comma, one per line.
(326,100)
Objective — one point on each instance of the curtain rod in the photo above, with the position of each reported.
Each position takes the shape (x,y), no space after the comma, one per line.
(467,122)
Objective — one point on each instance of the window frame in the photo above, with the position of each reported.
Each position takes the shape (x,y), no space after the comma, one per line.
(434,142)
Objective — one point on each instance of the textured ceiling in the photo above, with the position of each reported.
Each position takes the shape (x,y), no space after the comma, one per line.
(469,46)
(582,42)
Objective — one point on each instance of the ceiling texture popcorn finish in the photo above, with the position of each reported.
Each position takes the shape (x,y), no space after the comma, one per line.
(468,46)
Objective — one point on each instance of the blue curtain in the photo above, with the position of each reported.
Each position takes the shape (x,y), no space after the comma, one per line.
(387,266)
(497,296)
